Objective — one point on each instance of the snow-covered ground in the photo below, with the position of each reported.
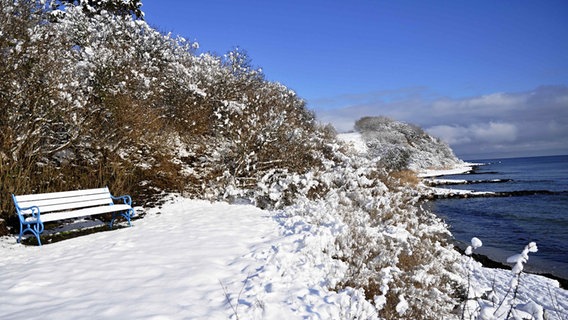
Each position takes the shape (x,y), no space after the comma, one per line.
(187,262)
(171,265)
(199,260)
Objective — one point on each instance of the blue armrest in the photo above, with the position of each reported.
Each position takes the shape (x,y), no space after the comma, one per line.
(125,199)
(34,213)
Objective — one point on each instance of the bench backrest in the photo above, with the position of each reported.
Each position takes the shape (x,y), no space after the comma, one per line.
(58,201)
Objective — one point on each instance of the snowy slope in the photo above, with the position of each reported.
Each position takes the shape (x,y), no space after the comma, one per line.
(425,163)
(400,144)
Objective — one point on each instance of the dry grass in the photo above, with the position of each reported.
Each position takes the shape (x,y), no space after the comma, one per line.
(406,177)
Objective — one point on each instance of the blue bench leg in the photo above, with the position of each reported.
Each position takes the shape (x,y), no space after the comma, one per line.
(127,215)
(21,232)
(112,220)
(36,231)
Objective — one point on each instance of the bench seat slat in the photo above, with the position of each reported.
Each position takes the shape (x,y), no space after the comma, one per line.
(67,203)
(64,194)
(81,213)
(74,205)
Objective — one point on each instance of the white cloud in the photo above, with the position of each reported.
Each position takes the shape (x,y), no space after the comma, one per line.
(451,134)
(494,132)
(499,100)
(496,102)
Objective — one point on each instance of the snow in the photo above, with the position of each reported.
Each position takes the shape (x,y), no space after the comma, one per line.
(355,141)
(170,265)
(402,305)
(447,181)
(450,192)
(544,292)
(186,260)
(201,260)
(465,168)
(476,243)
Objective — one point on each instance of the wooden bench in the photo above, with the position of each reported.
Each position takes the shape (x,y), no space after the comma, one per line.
(36,209)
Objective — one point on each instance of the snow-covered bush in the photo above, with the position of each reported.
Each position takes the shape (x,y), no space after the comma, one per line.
(34,118)
(404,146)
(394,251)
(90,88)
(398,253)
(255,127)
(93,7)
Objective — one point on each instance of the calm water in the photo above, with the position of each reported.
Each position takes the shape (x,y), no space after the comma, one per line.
(506,225)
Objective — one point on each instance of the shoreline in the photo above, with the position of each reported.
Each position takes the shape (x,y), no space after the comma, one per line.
(429,181)
(464,168)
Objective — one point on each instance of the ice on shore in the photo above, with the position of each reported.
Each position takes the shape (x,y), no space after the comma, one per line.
(465,168)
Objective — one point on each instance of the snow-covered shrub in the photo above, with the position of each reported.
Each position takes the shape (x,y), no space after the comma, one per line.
(394,251)
(470,305)
(399,254)
(261,127)
(35,119)
(89,85)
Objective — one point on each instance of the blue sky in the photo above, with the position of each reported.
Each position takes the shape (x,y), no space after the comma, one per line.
(404,59)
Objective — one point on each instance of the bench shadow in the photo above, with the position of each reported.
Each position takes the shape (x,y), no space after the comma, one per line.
(67,229)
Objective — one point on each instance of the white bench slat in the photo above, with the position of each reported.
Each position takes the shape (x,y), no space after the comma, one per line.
(72,202)
(58,195)
(74,205)
(82,213)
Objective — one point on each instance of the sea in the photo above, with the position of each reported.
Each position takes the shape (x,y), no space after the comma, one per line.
(534,208)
